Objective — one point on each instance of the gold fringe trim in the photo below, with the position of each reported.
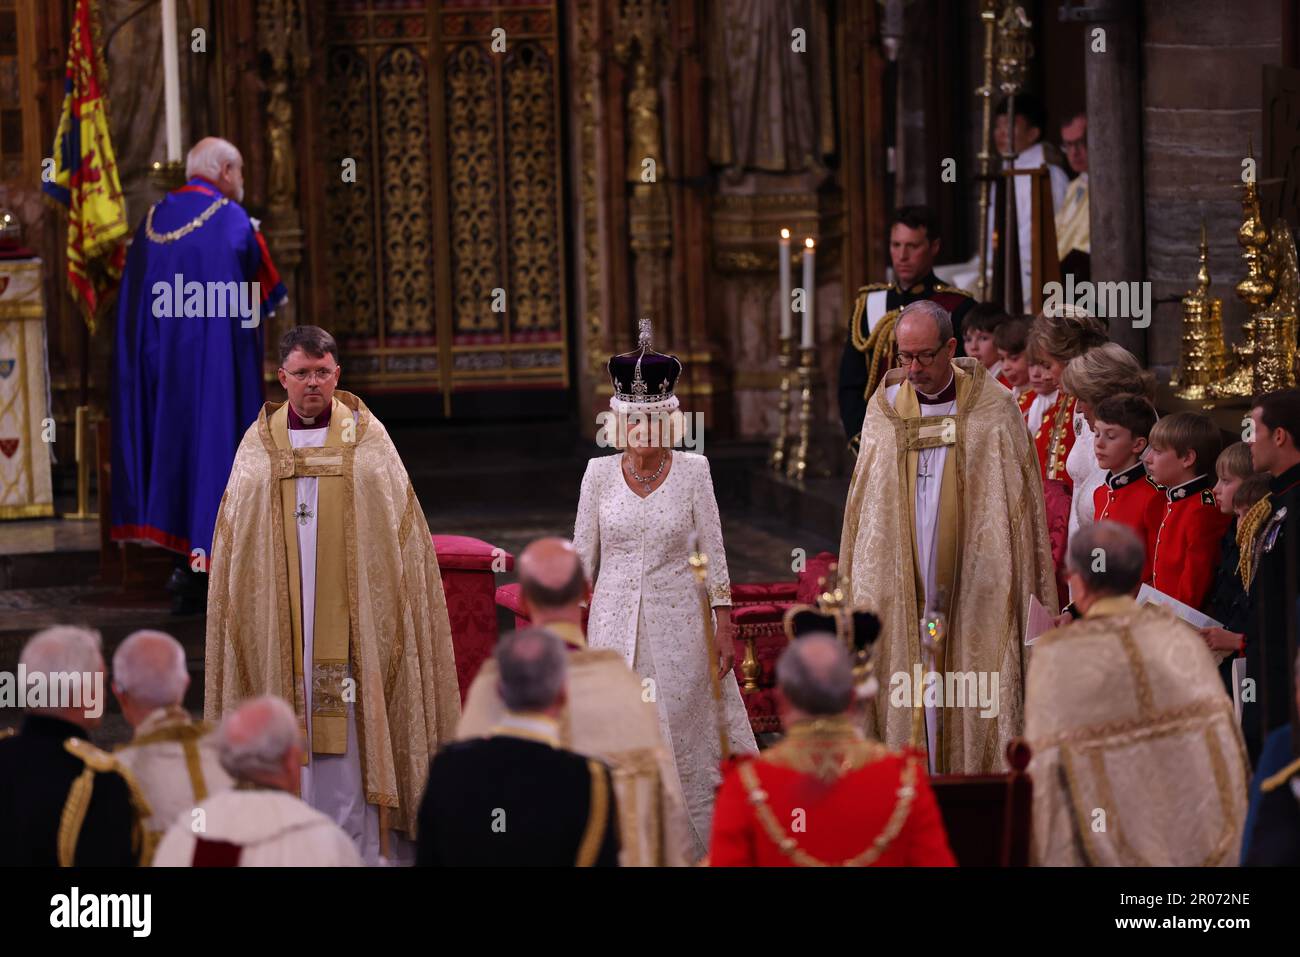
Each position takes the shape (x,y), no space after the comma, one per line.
(74,815)
(597,818)
(1247,529)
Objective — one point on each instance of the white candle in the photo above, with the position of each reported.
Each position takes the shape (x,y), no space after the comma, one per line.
(171,81)
(785,284)
(809,281)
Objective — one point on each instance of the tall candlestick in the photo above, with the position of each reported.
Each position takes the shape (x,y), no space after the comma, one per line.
(809,279)
(171,81)
(785,284)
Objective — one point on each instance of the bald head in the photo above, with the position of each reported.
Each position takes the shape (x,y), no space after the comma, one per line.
(220,162)
(149,668)
(550,576)
(259,742)
(815,676)
(1104,559)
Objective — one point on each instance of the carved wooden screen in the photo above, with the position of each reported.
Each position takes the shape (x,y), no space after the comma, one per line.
(445,257)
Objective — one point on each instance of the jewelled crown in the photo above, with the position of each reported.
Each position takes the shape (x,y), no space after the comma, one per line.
(644,379)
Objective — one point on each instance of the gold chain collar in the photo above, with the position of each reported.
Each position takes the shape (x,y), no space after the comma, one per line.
(788,846)
(185,230)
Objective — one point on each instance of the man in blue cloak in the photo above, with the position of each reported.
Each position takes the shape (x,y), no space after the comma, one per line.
(188,361)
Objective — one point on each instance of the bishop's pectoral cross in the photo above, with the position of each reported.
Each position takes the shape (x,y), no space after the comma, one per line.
(304,514)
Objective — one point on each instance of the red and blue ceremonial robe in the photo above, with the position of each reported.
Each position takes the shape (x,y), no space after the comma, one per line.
(187,368)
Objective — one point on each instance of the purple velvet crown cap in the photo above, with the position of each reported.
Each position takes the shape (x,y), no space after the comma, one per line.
(643,379)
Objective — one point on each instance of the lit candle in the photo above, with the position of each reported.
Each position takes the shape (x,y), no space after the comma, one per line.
(171,81)
(785,284)
(809,280)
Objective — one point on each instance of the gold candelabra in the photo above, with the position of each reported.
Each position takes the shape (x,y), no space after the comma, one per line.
(797,467)
(1254,291)
(1265,359)
(779,445)
(1275,325)
(1204,359)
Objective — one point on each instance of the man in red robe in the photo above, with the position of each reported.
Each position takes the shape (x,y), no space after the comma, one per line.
(826,795)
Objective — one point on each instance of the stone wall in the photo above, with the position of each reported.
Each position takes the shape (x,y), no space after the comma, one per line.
(1202,66)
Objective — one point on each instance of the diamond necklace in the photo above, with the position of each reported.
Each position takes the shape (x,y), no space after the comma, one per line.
(647,480)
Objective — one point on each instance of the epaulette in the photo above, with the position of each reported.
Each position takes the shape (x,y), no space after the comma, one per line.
(1207,496)
(1274,782)
(944,287)
(78,800)
(91,756)
(874,287)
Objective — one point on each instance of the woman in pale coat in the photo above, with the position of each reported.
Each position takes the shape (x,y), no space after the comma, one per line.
(638,514)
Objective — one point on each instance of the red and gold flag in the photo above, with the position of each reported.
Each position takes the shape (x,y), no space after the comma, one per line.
(85,177)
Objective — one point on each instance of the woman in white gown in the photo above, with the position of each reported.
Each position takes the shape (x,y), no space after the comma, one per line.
(636,515)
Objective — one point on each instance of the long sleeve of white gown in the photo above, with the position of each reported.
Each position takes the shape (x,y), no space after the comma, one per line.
(708,525)
(586,527)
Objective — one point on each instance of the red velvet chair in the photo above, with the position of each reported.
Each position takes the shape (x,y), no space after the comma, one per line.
(469,583)
(758,611)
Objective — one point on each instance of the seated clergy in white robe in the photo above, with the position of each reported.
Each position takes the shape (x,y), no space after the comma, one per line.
(1138,759)
(260,823)
(174,758)
(945,518)
(325,592)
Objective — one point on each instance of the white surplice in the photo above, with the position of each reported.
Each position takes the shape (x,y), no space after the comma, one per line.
(929,482)
(332,783)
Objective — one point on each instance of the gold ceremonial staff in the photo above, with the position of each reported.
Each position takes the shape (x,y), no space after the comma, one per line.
(989,17)
(700,566)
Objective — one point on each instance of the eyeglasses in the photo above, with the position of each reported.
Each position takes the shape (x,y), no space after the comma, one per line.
(315,375)
(905,359)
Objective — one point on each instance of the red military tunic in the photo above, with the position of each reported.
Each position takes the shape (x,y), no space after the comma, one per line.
(1133,499)
(827,796)
(1025,400)
(1055,438)
(1187,542)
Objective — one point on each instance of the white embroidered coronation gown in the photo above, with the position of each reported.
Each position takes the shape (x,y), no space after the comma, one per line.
(646,606)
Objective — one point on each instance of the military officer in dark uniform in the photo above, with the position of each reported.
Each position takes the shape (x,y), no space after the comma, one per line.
(63,801)
(516,798)
(1269,643)
(869,352)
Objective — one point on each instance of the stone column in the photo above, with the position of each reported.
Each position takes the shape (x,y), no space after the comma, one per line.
(1115,154)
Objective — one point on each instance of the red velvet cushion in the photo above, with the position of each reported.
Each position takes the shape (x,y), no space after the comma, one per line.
(818,567)
(749,615)
(762,592)
(508,598)
(473,554)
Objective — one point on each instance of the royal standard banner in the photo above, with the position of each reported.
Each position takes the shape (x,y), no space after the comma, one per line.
(85,171)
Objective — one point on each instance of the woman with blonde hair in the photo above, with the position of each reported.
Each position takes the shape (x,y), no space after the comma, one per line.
(1106,370)
(1053,342)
